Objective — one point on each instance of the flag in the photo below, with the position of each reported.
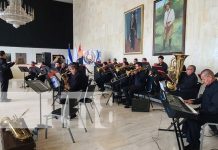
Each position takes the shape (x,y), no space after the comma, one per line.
(69,56)
(75,55)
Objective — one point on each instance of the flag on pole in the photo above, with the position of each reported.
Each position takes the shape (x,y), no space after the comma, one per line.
(75,54)
(69,56)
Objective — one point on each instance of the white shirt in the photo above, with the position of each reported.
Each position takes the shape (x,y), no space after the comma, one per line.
(169,16)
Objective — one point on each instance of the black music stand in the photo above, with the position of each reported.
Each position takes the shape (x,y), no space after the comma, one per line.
(39,87)
(23,69)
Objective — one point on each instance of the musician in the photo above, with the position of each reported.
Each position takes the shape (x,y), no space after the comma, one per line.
(58,67)
(138,85)
(115,61)
(146,64)
(43,72)
(105,76)
(187,85)
(162,64)
(135,61)
(208,111)
(125,60)
(77,81)
(63,68)
(109,61)
(34,71)
(5,76)
(216,75)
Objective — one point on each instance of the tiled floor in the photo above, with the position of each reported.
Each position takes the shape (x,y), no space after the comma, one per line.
(116,129)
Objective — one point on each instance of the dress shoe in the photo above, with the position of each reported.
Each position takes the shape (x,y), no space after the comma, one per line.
(188,147)
(127,106)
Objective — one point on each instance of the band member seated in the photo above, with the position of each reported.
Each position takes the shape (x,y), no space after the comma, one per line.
(125,60)
(162,64)
(216,75)
(34,71)
(146,64)
(187,85)
(135,61)
(63,68)
(105,75)
(152,85)
(138,84)
(43,72)
(58,67)
(76,80)
(115,61)
(208,111)
(109,61)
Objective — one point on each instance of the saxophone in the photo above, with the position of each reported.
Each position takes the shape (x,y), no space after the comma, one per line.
(175,70)
(14,125)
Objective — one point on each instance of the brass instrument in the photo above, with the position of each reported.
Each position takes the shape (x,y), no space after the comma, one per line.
(134,71)
(175,70)
(14,126)
(100,69)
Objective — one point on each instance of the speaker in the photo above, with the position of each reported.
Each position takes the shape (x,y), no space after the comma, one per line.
(46,57)
(140,104)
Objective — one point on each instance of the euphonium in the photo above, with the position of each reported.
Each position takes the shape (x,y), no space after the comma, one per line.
(14,125)
(175,70)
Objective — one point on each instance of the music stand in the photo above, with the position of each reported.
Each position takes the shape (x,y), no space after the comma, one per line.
(23,69)
(39,87)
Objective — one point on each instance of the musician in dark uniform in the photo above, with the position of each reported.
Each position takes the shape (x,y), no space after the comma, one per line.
(76,79)
(34,71)
(63,68)
(115,61)
(146,64)
(162,64)
(135,61)
(125,60)
(187,85)
(5,76)
(139,82)
(208,111)
(43,72)
(105,76)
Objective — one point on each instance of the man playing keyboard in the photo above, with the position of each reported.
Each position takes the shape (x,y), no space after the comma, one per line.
(208,111)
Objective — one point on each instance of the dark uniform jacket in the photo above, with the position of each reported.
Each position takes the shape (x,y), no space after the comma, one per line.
(77,82)
(5,70)
(187,83)
(140,79)
(164,67)
(209,99)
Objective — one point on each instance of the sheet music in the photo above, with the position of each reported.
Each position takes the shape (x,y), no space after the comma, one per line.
(189,106)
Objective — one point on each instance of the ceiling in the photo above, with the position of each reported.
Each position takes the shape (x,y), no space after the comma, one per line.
(65,1)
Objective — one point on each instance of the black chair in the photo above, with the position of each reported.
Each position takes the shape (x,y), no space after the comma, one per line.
(68,111)
(87,98)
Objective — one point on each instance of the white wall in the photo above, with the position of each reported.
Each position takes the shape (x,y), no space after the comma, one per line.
(31,55)
(99,24)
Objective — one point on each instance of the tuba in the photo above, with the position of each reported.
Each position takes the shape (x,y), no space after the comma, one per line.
(175,70)
(15,126)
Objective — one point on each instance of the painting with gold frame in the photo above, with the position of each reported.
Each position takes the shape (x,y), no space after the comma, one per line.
(134,21)
(169,27)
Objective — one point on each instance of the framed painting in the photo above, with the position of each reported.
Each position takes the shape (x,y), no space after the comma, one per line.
(134,21)
(169,27)
(8,57)
(21,58)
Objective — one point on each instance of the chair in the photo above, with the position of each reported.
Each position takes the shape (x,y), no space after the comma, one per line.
(67,112)
(88,98)
(202,133)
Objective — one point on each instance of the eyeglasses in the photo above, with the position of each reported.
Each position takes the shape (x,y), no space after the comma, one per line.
(189,69)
